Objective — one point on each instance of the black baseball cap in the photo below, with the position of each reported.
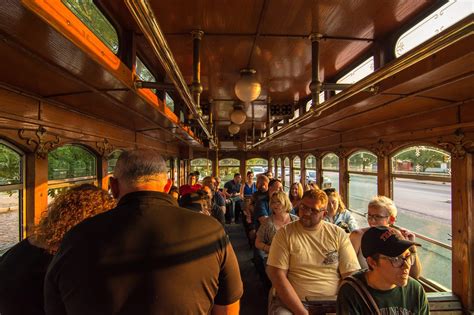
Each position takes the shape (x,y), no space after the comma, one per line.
(384,240)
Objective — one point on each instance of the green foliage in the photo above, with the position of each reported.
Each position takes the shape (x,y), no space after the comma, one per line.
(229,162)
(424,157)
(112,160)
(90,15)
(310,162)
(70,162)
(363,162)
(10,163)
(330,162)
(257,162)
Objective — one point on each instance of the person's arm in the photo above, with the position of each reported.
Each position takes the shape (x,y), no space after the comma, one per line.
(351,222)
(241,193)
(261,211)
(415,270)
(347,302)
(348,262)
(285,291)
(231,309)
(356,238)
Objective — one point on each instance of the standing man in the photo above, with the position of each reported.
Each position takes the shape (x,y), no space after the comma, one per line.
(145,256)
(387,280)
(232,192)
(308,257)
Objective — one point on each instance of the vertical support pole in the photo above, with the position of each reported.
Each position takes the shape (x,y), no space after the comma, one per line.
(319,171)
(102,176)
(384,182)
(315,85)
(36,189)
(463,234)
(343,179)
(216,163)
(196,85)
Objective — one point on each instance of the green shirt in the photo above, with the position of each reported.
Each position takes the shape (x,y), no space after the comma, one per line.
(410,299)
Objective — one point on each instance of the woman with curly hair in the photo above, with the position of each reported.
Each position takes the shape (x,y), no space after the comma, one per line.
(23,267)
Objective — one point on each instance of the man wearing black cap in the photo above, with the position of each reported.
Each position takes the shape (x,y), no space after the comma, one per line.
(386,288)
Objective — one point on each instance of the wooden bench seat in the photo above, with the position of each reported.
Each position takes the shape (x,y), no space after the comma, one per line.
(443,303)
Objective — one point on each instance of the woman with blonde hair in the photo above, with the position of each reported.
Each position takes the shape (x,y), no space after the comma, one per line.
(295,194)
(281,207)
(337,212)
(23,267)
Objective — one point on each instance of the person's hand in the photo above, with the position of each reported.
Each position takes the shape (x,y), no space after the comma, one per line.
(408,235)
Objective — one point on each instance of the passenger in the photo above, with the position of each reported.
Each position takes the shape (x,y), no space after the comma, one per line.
(146,256)
(337,212)
(23,267)
(191,185)
(262,189)
(199,201)
(308,257)
(217,201)
(389,259)
(232,193)
(262,206)
(174,192)
(281,208)
(296,193)
(383,212)
(269,174)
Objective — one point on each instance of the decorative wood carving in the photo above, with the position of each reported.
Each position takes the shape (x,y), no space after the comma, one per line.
(381,148)
(42,146)
(341,152)
(104,147)
(458,146)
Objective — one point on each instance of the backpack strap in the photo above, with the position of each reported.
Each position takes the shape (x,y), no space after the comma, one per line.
(361,289)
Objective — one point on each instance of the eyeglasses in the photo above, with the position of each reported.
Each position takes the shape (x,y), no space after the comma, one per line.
(399,261)
(314,211)
(375,217)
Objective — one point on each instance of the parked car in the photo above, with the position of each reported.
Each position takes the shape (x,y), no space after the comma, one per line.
(257,170)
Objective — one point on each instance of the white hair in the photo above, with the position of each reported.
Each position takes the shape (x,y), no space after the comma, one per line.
(382,202)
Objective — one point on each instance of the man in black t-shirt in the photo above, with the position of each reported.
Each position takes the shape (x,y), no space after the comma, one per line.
(389,259)
(146,256)
(232,193)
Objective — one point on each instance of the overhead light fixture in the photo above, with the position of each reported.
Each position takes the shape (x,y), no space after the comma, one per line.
(247,88)
(238,116)
(234,129)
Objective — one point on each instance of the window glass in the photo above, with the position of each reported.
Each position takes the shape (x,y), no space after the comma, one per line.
(286,180)
(169,102)
(363,161)
(278,169)
(271,167)
(432,25)
(112,160)
(227,169)
(70,165)
(203,166)
(358,73)
(11,190)
(421,179)
(91,16)
(330,180)
(257,166)
(310,169)
(362,185)
(143,72)
(330,161)
(296,169)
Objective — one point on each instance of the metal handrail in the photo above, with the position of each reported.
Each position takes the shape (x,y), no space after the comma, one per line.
(421,236)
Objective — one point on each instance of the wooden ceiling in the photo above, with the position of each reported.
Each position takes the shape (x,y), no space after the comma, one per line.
(272,38)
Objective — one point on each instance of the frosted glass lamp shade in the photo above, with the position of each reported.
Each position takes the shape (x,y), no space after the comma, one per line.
(238,117)
(247,88)
(234,129)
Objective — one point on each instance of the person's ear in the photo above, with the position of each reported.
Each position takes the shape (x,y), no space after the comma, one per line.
(391,220)
(371,262)
(115,187)
(167,187)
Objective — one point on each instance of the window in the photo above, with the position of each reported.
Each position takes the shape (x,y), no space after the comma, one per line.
(278,169)
(203,166)
(310,169)
(286,179)
(271,167)
(330,169)
(91,16)
(143,72)
(11,193)
(227,169)
(362,167)
(257,166)
(112,160)
(169,102)
(421,179)
(432,25)
(70,165)
(358,73)
(296,169)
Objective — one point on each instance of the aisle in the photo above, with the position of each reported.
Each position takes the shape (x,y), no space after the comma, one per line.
(254,300)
